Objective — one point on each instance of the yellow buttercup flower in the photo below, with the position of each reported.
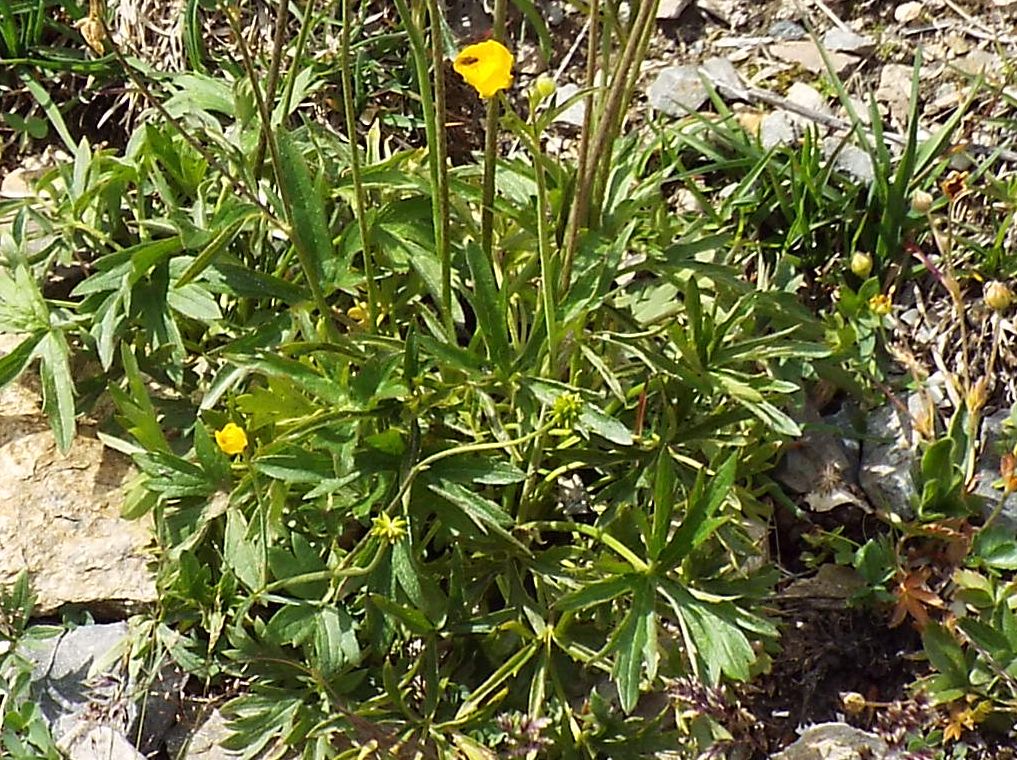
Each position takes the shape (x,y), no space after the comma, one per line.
(881,305)
(486,67)
(231,439)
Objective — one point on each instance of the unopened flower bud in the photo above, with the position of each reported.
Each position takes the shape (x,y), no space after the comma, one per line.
(861,264)
(921,201)
(998,296)
(544,87)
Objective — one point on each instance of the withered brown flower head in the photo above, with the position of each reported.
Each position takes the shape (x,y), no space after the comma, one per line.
(954,184)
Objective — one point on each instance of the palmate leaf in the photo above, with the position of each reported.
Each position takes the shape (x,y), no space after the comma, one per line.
(713,639)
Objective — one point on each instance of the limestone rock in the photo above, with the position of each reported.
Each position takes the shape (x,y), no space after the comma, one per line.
(677,90)
(81,685)
(203,742)
(846,41)
(835,741)
(575,113)
(806,54)
(889,453)
(60,515)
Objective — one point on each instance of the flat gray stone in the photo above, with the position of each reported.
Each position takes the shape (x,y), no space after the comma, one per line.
(850,159)
(721,71)
(776,128)
(987,471)
(787,30)
(835,741)
(575,113)
(99,743)
(888,455)
(203,742)
(677,91)
(846,41)
(807,55)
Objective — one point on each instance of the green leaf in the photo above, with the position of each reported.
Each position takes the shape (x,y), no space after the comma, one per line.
(335,641)
(14,363)
(595,421)
(412,618)
(489,304)
(591,594)
(714,641)
(663,502)
(58,388)
(703,503)
(484,513)
(635,646)
(242,551)
(212,250)
(945,654)
(995,547)
(304,205)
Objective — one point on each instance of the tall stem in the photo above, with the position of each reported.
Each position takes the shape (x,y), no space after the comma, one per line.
(440,149)
(491,147)
(421,63)
(346,76)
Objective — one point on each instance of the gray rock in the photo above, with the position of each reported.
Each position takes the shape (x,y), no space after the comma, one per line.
(677,91)
(987,470)
(553,14)
(807,55)
(721,71)
(99,743)
(850,159)
(888,455)
(575,113)
(846,41)
(808,97)
(978,62)
(80,683)
(671,9)
(776,128)
(203,742)
(787,30)
(835,741)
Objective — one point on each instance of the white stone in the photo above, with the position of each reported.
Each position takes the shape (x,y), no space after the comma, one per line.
(907,12)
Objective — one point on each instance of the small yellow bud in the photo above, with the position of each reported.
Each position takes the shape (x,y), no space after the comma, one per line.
(881,304)
(921,202)
(998,296)
(544,87)
(861,264)
(231,439)
(853,702)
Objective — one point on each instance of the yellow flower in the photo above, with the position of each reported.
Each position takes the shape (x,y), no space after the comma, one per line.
(358,313)
(391,529)
(880,304)
(486,67)
(231,439)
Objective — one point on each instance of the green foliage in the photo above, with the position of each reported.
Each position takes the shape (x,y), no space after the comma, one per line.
(24,734)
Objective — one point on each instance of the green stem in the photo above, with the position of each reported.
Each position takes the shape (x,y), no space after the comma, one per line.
(470,448)
(491,146)
(360,199)
(595,533)
(278,42)
(548,275)
(421,62)
(440,149)
(303,254)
